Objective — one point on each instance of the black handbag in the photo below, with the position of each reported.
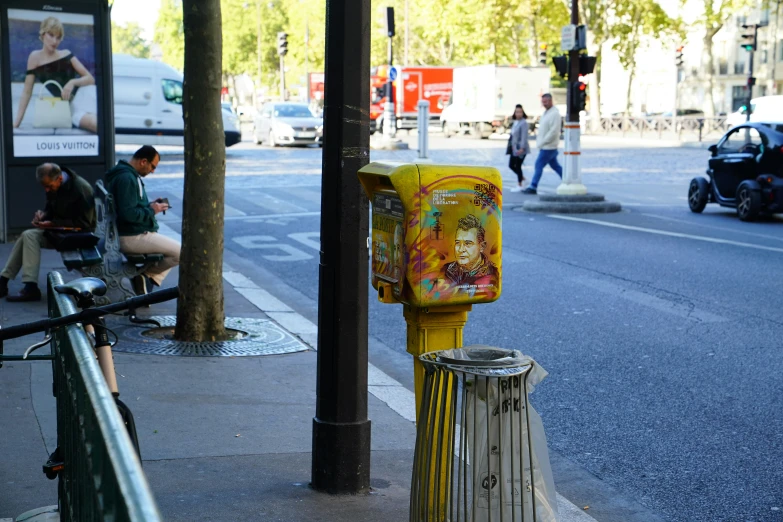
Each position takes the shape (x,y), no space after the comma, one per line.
(508,147)
(64,241)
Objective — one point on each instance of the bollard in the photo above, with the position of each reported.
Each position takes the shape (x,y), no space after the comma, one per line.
(389,121)
(424,128)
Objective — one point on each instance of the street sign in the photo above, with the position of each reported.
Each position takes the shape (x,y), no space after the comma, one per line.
(393,73)
(568,38)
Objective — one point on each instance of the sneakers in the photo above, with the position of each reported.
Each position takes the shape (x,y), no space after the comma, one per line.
(530,190)
(25,295)
(516,189)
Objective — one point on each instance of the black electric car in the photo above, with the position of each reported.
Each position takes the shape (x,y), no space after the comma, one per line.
(745,172)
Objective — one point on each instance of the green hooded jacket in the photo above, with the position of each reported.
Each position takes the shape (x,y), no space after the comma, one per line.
(134,214)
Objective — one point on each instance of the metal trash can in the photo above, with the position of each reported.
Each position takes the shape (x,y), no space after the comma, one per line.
(476,438)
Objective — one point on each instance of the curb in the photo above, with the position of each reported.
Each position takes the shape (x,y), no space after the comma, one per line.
(604,207)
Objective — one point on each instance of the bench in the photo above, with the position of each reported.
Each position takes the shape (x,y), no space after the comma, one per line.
(105,261)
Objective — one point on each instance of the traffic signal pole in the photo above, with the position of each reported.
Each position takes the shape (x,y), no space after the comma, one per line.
(389,116)
(572,175)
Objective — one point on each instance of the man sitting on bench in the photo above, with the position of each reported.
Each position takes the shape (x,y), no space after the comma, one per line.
(70,204)
(136,222)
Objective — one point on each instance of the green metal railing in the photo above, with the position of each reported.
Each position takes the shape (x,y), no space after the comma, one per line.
(103,479)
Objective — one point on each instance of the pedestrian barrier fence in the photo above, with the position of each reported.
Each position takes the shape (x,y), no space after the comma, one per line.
(481,453)
(102,477)
(661,126)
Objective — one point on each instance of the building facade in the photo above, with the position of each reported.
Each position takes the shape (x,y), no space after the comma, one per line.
(659,85)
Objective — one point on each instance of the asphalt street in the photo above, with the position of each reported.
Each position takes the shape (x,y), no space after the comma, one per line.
(660,329)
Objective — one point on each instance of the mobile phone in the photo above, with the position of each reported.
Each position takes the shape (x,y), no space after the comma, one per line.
(164,200)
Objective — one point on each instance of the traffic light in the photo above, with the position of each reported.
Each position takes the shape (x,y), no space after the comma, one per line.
(678,56)
(282,43)
(542,54)
(579,96)
(561,65)
(749,38)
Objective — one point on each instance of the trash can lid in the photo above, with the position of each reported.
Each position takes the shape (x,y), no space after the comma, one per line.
(480,356)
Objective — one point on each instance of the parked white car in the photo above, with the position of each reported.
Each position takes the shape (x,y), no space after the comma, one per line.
(764,108)
(287,123)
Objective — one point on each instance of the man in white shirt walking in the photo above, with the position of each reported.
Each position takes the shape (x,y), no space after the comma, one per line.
(547,139)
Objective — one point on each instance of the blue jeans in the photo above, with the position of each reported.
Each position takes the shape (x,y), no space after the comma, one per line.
(545,157)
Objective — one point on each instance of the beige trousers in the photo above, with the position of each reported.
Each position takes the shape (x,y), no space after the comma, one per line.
(153,243)
(26,256)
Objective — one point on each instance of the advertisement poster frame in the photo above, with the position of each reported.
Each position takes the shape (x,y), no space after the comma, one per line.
(96,67)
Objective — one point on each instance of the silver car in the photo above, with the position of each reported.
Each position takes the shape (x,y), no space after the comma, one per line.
(287,123)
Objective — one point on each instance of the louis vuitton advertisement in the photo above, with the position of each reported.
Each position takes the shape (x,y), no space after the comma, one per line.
(54,103)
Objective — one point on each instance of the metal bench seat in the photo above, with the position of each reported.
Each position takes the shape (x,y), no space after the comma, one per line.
(76,259)
(140,259)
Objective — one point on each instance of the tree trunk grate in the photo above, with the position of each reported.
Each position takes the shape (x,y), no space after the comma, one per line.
(261,337)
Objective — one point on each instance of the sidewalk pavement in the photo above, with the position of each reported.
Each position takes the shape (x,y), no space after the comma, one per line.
(222,438)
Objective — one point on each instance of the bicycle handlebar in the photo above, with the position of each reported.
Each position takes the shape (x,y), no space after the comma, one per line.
(88,314)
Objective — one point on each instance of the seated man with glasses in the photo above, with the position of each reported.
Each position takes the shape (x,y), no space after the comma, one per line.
(136,222)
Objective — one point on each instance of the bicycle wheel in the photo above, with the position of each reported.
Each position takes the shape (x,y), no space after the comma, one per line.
(130,425)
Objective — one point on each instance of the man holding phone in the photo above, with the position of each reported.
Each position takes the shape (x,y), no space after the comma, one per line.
(136,221)
(70,205)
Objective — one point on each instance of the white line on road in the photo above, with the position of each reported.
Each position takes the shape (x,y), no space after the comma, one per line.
(311,239)
(230,211)
(254,218)
(702,225)
(670,234)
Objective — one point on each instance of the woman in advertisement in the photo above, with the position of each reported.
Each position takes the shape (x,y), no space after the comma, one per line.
(67,78)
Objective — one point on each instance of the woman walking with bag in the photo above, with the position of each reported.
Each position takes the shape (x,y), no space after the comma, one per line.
(518,146)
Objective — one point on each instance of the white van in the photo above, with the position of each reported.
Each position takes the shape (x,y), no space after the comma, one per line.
(148,104)
(765,108)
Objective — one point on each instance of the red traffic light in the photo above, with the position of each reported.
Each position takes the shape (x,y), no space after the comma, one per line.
(581,86)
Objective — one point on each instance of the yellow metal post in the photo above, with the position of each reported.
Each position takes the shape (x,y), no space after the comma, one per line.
(430,330)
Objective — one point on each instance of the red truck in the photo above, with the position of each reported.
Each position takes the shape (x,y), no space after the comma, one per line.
(316,88)
(412,84)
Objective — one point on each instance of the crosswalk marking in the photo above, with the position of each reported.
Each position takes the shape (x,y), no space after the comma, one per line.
(230,211)
(313,196)
(311,239)
(271,203)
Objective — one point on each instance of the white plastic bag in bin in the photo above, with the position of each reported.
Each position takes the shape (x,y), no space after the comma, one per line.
(522,436)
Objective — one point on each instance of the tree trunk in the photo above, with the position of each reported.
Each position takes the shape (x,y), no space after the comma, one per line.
(709,70)
(533,50)
(637,19)
(200,313)
(595,95)
(631,74)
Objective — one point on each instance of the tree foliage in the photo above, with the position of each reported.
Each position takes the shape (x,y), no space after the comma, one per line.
(169,33)
(621,23)
(127,39)
(714,15)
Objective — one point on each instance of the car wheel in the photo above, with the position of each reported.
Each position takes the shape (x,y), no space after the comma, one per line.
(748,201)
(698,194)
(271,141)
(445,128)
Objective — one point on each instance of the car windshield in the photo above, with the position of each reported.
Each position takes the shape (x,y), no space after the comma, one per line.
(777,127)
(293,111)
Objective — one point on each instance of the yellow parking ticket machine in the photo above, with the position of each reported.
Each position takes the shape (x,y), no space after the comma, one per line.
(436,247)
